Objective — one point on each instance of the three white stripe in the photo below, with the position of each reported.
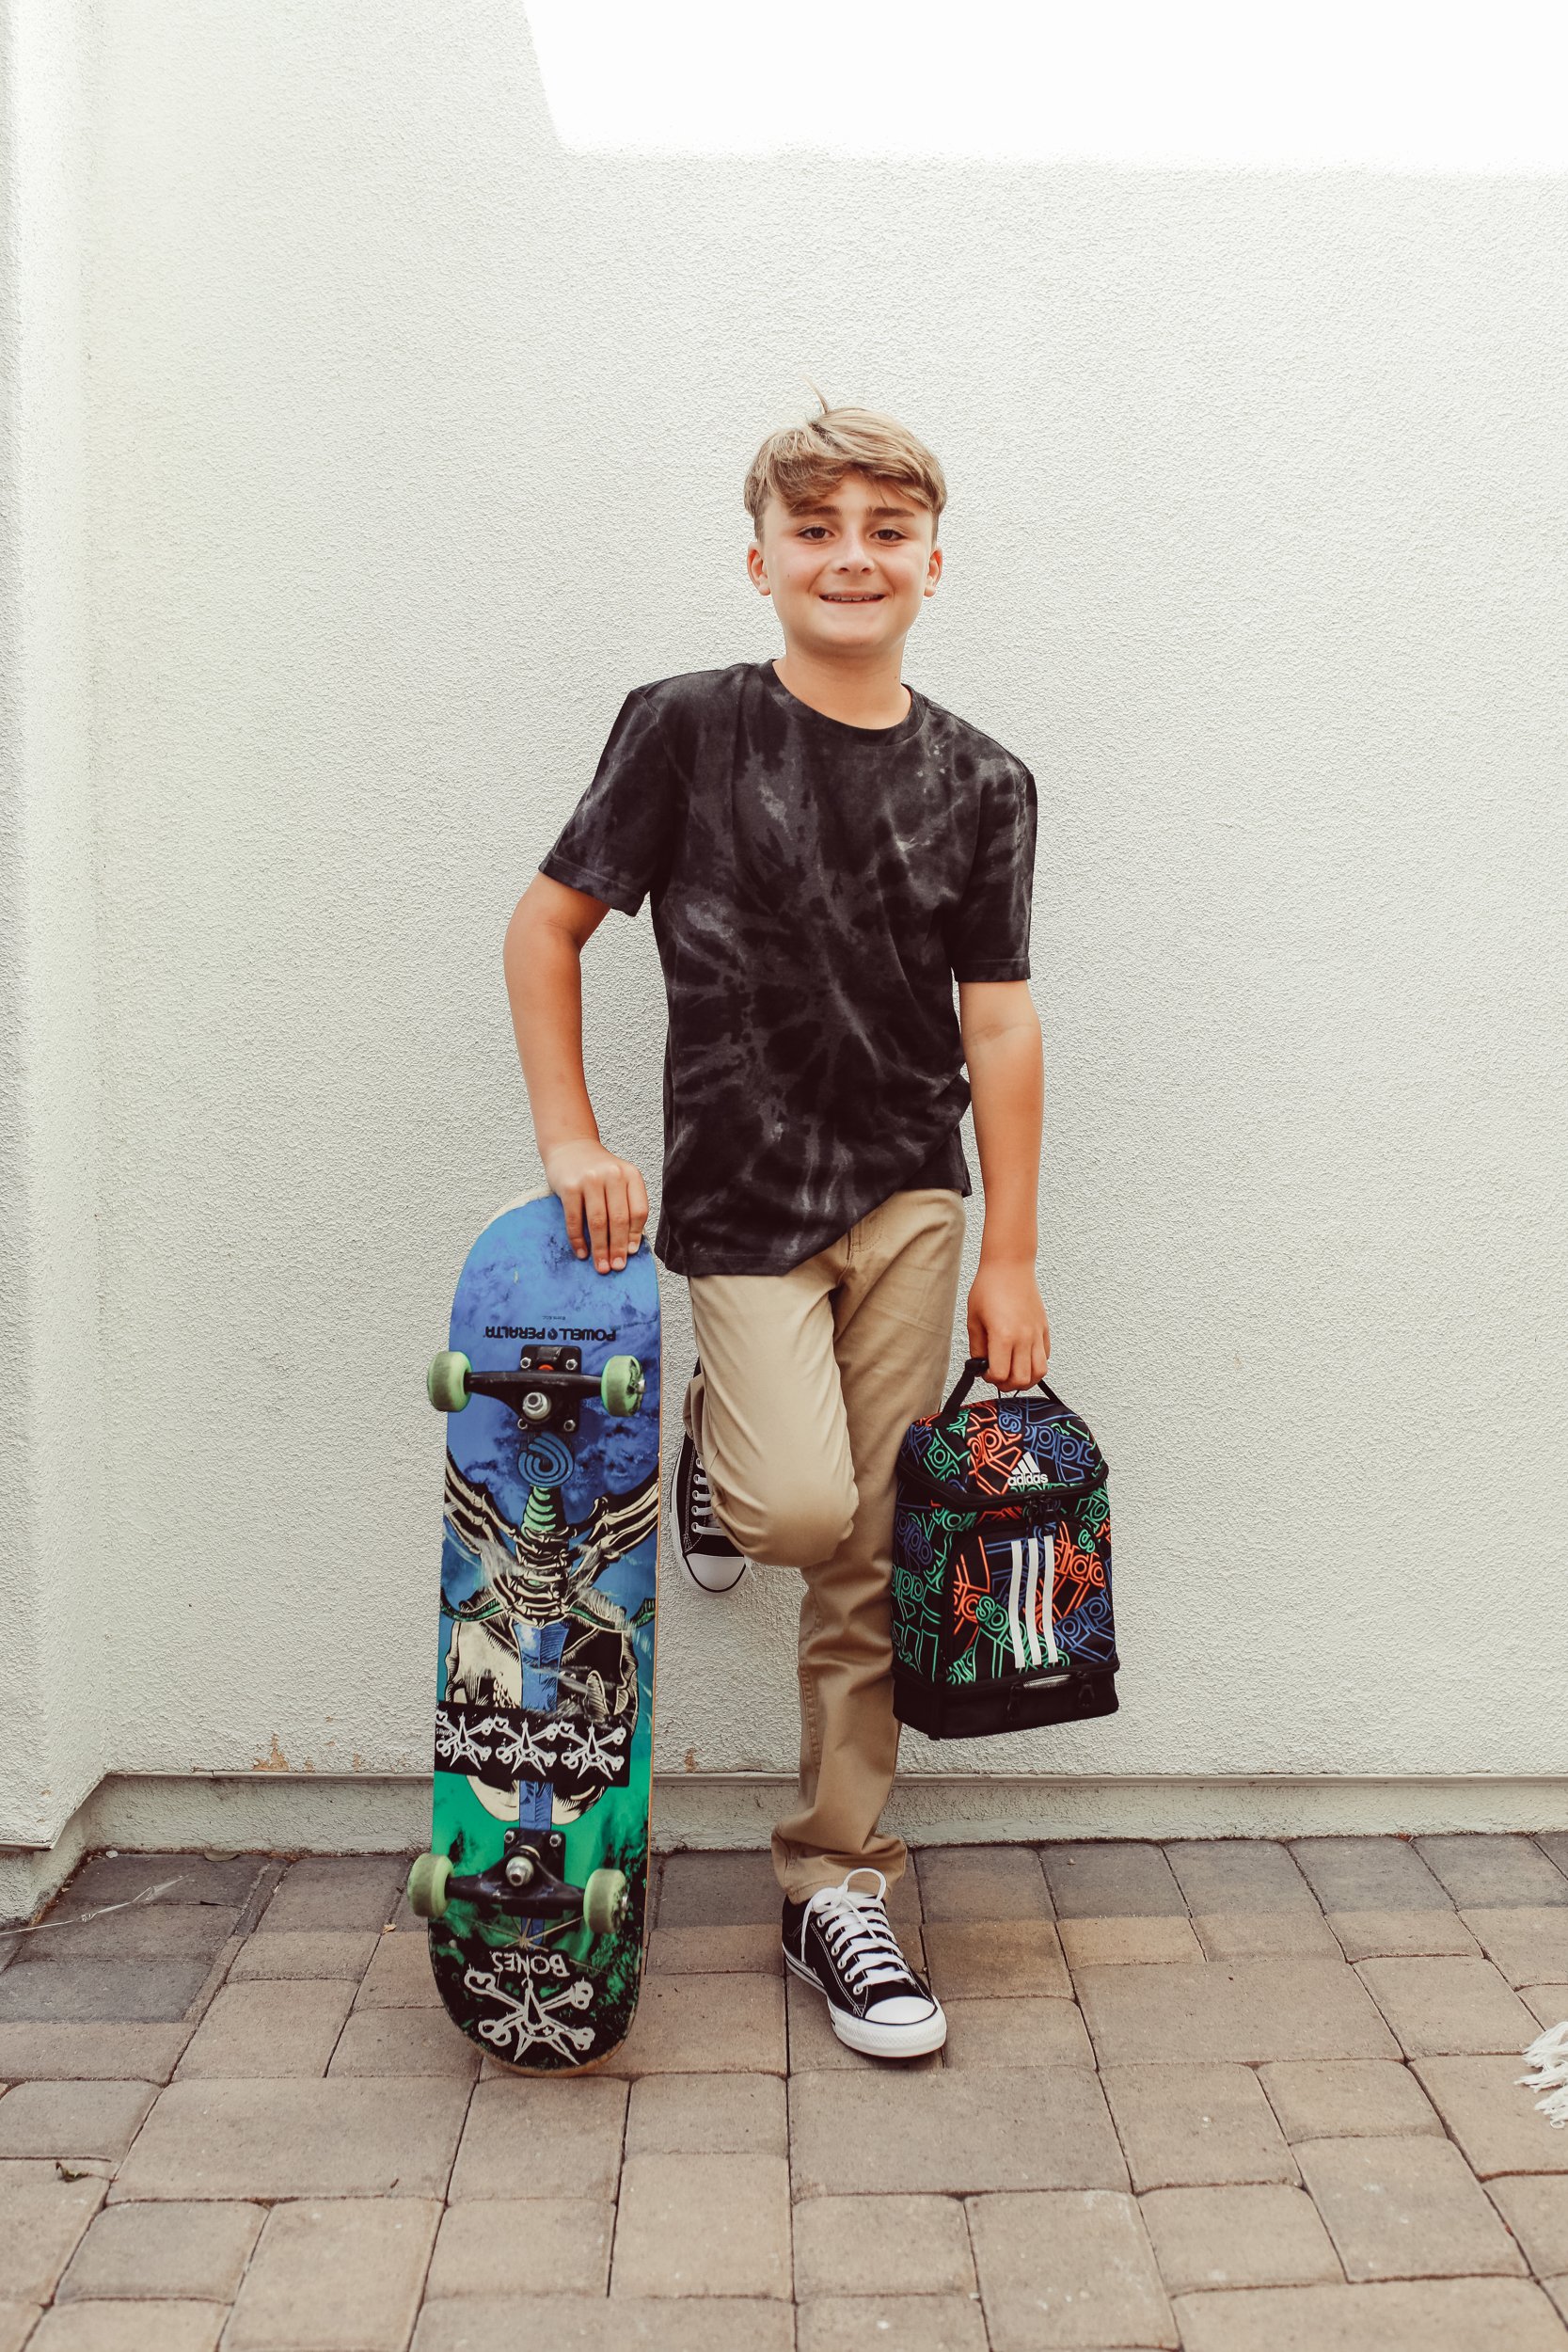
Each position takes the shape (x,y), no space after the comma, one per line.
(1032,1594)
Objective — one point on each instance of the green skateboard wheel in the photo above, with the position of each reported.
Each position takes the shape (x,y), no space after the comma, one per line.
(427,1882)
(621,1385)
(604,1902)
(448,1381)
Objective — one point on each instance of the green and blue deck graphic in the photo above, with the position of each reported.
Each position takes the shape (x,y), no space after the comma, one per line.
(545,1667)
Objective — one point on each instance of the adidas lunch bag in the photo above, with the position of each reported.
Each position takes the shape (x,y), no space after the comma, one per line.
(1000,1568)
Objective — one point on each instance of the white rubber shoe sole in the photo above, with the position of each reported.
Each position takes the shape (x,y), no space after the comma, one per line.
(856,2033)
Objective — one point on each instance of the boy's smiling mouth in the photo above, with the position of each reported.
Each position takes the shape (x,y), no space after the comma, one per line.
(851,596)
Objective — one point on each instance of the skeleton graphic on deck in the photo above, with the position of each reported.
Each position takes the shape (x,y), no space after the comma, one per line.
(538,1629)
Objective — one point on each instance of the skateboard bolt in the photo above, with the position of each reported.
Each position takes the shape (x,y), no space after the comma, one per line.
(519,1870)
(536,1404)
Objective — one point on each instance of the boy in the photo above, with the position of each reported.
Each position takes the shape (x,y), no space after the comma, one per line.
(826,850)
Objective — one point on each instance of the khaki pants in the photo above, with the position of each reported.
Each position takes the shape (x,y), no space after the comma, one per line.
(808,1382)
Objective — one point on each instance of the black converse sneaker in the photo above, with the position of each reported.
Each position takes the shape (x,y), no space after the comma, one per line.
(839,1940)
(708,1550)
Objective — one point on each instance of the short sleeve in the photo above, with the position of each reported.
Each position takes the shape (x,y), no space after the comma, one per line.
(617,841)
(987,934)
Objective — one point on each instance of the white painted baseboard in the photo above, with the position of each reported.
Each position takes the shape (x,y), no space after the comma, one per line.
(369,1813)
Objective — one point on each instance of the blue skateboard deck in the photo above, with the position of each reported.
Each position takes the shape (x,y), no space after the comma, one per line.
(536,1879)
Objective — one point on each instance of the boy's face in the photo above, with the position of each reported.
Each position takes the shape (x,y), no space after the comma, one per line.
(848,572)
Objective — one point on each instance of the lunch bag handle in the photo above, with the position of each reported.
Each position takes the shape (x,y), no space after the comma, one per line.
(974,1369)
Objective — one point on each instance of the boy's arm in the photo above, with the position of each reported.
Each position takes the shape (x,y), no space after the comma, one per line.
(1003,1049)
(544,940)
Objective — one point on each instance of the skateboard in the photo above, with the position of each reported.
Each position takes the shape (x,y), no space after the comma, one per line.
(535,1884)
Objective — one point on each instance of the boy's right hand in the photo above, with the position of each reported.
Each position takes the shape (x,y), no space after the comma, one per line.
(604,1197)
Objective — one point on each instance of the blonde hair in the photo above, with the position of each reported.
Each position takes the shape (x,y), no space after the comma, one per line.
(801,462)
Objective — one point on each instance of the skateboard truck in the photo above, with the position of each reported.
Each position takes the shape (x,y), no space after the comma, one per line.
(543,1391)
(525,1883)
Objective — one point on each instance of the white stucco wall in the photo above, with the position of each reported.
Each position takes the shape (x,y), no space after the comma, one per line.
(55,1578)
(413,441)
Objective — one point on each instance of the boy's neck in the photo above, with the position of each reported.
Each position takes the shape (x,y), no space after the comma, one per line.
(868,694)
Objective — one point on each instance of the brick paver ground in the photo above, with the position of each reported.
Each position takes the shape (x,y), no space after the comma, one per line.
(1234,2095)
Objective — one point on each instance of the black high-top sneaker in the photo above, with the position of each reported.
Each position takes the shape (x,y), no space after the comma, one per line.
(840,1940)
(708,1550)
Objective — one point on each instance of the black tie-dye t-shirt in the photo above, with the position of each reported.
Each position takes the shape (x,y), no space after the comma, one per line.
(815,890)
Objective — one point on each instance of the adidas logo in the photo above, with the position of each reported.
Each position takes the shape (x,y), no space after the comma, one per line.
(1026,1471)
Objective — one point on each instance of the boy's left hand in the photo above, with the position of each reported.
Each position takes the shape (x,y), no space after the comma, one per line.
(1008,1325)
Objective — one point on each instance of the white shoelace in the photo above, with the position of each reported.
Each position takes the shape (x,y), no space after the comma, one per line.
(702,1520)
(864,1948)
(1548,2054)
